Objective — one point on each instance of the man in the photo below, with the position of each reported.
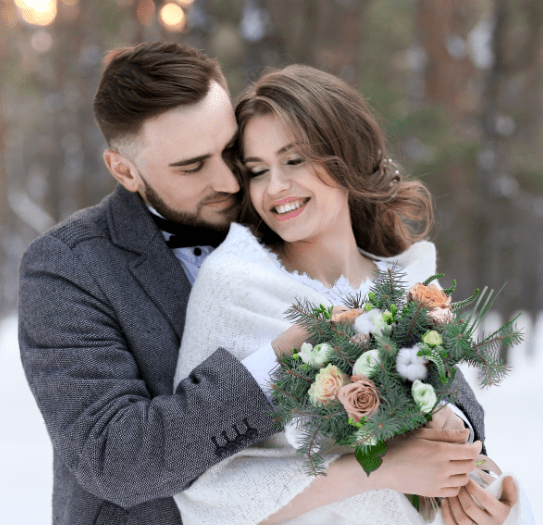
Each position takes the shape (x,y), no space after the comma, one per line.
(103,297)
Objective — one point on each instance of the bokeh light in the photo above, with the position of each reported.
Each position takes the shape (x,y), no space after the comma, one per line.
(37,12)
(172,17)
(145,12)
(185,3)
(41,41)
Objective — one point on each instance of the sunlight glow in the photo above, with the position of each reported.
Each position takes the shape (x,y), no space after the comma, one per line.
(172,17)
(37,12)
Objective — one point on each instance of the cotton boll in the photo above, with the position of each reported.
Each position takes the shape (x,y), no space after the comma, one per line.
(410,365)
(363,325)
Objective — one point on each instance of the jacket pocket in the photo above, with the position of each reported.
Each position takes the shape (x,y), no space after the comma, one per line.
(111,514)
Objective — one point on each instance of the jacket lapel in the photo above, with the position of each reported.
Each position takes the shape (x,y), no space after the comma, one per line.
(157,269)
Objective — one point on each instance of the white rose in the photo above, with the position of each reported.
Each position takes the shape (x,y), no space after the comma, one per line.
(305,352)
(424,395)
(316,356)
(367,363)
(321,354)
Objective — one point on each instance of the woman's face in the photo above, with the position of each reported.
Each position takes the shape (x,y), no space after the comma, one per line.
(285,190)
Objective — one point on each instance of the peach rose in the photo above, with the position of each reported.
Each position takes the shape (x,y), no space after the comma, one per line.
(327,384)
(430,296)
(440,316)
(360,398)
(347,316)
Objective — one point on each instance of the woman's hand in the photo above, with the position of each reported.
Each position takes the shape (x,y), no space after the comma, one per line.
(463,510)
(294,337)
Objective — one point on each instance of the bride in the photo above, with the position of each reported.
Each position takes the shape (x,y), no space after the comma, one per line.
(324,209)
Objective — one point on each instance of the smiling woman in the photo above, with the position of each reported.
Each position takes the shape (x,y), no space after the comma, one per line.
(324,208)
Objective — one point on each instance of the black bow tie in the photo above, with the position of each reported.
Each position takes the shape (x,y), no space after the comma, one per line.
(184,236)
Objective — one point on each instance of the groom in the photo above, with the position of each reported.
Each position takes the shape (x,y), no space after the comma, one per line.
(103,298)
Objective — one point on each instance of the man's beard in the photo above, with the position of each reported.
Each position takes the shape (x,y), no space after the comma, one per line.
(193,219)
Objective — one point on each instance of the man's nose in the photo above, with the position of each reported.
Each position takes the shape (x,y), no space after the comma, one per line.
(224,180)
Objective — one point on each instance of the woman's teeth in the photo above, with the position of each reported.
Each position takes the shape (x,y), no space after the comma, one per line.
(289,206)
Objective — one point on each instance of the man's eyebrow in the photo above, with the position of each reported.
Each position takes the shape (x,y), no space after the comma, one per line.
(280,151)
(188,162)
(200,158)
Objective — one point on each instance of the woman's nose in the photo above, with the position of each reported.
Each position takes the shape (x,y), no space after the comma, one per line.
(277,182)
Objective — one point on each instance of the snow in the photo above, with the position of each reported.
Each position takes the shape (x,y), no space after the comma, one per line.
(514,426)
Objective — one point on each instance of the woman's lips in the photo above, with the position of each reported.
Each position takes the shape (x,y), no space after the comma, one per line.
(291,214)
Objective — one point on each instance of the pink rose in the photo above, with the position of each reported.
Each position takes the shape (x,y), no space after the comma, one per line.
(327,384)
(440,316)
(360,398)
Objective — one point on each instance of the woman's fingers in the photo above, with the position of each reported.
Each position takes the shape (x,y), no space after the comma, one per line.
(474,505)
(509,492)
(446,513)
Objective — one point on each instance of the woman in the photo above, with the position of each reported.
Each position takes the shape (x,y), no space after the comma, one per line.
(327,208)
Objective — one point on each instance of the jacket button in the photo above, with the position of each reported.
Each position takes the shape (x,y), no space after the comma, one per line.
(251,433)
(231,447)
(241,440)
(221,452)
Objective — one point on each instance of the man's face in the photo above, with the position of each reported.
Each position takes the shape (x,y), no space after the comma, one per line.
(181,162)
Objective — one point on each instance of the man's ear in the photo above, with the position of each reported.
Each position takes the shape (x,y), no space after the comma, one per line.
(122,169)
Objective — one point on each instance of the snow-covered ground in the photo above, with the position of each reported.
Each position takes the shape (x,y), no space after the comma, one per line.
(514,422)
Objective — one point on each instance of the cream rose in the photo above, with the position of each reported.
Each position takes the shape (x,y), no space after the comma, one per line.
(429,296)
(360,398)
(441,316)
(327,384)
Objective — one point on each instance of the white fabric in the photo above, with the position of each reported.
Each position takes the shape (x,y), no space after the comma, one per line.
(238,302)
(259,364)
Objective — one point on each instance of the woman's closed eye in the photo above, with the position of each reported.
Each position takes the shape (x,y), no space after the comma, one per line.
(257,170)
(295,161)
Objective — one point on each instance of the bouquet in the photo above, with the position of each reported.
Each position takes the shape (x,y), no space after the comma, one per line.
(383,367)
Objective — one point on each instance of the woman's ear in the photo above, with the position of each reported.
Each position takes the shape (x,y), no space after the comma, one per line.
(122,169)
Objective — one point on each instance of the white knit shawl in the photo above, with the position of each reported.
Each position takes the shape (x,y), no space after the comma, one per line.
(238,303)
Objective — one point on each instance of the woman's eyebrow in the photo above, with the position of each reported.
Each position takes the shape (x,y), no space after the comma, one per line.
(278,152)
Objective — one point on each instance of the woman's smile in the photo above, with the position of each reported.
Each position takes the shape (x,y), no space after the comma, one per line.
(292,208)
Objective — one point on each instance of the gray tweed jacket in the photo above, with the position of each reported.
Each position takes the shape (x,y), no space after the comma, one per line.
(102,311)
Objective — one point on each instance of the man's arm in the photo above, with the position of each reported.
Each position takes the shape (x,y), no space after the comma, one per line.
(120,442)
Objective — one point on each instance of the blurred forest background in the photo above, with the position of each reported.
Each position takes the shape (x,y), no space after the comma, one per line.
(456,84)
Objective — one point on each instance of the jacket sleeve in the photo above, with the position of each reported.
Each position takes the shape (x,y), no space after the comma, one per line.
(121,443)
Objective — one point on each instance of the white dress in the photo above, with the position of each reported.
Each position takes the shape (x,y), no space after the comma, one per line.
(238,303)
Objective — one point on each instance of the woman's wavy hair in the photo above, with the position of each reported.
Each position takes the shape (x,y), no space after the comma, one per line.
(334,129)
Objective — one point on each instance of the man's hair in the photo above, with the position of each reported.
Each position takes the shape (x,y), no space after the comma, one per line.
(146,80)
